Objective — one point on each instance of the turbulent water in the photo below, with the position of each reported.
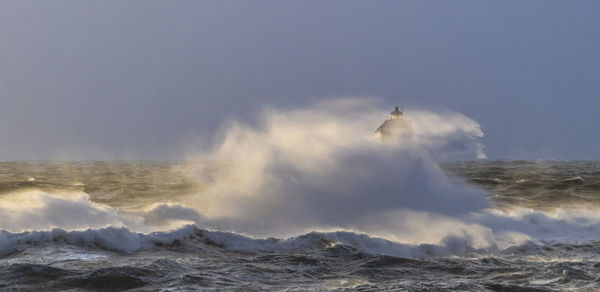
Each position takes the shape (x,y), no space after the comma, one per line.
(192,257)
(306,199)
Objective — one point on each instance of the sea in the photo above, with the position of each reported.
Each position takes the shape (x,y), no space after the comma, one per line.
(75,226)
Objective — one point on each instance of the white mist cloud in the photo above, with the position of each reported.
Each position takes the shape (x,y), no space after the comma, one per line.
(318,168)
(38,210)
(323,167)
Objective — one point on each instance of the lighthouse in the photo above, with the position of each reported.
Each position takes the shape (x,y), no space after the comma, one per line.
(395,128)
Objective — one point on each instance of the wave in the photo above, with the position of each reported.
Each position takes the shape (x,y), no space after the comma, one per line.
(416,234)
(322,167)
(192,238)
(316,168)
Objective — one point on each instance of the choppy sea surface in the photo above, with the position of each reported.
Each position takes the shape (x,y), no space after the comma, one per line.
(193,257)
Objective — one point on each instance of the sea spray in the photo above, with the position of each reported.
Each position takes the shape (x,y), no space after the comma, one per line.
(320,168)
(117,230)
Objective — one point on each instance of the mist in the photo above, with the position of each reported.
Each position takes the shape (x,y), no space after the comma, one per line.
(300,174)
(323,166)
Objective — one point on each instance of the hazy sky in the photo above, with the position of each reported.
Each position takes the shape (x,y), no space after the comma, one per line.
(141,79)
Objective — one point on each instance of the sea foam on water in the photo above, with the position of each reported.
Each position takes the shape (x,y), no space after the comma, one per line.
(319,169)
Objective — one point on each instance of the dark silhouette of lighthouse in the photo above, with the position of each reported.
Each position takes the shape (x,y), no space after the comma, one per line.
(394,128)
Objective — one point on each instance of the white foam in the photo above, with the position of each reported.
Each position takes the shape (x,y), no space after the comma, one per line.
(32,209)
(316,168)
(123,240)
(110,238)
(38,210)
(323,167)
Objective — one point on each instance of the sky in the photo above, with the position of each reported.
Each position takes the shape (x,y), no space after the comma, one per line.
(154,79)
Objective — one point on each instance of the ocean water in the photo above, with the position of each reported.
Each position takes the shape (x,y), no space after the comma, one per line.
(306,199)
(85,226)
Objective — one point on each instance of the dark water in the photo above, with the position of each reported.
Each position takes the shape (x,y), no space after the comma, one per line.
(315,268)
(539,185)
(192,258)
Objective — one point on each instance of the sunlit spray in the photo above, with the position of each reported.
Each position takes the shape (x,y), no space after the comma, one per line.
(320,168)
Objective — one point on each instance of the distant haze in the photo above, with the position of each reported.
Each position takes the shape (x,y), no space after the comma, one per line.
(154,79)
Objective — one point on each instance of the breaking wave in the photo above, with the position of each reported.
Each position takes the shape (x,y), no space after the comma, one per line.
(320,171)
(190,238)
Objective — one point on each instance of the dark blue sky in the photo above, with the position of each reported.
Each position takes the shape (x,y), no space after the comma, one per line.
(141,79)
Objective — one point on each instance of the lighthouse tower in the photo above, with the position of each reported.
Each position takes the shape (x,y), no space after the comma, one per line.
(395,128)
(396,114)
